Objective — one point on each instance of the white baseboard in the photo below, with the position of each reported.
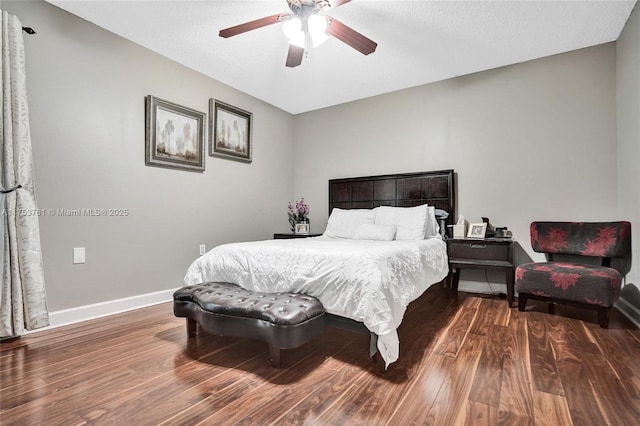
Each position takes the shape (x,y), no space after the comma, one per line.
(103,309)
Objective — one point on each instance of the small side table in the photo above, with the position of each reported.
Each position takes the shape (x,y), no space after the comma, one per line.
(488,253)
(290,236)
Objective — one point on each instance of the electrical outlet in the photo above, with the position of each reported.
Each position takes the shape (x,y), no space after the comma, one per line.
(78,255)
(203,249)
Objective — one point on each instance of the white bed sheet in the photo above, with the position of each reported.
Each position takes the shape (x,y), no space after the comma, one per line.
(367,281)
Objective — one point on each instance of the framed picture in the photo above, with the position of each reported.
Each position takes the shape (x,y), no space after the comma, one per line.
(477,230)
(302,228)
(174,135)
(230,132)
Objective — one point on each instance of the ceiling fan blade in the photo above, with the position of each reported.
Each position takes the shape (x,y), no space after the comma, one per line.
(252,25)
(351,37)
(294,57)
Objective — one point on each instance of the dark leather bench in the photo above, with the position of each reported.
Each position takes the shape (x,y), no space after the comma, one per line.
(283,320)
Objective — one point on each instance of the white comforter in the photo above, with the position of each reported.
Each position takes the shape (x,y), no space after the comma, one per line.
(368,281)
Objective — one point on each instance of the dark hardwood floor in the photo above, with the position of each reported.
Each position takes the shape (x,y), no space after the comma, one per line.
(469,360)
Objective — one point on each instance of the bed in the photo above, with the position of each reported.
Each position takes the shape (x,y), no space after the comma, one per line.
(364,280)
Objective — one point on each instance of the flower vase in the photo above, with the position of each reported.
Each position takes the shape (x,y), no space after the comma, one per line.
(292,222)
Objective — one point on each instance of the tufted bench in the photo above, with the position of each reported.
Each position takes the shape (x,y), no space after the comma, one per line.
(283,320)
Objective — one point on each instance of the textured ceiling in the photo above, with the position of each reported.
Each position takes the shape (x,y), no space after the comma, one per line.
(419,42)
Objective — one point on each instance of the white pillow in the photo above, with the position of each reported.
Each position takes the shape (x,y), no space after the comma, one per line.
(369,231)
(411,222)
(343,223)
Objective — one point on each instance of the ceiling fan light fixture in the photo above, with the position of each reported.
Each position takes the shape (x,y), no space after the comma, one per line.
(318,29)
(292,28)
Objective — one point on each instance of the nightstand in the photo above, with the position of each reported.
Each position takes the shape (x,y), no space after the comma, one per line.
(290,236)
(488,253)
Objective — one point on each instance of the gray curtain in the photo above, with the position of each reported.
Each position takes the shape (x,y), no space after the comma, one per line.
(23,302)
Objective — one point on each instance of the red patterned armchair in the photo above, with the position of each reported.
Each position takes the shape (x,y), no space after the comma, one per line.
(579,282)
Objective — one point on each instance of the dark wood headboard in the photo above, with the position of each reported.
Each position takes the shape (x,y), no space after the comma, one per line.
(398,190)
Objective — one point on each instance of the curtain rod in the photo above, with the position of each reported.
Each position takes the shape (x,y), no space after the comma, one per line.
(29,30)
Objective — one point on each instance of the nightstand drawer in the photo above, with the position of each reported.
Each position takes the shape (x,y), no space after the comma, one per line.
(479,250)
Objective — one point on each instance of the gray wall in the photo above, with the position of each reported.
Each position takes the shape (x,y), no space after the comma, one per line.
(86,90)
(628,79)
(532,141)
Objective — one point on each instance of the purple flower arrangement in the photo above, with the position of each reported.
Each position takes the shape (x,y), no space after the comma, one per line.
(298,212)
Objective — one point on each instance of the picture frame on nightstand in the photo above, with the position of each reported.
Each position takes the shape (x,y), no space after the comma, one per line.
(302,229)
(477,230)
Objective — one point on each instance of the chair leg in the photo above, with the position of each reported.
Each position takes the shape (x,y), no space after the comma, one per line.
(522,301)
(551,308)
(603,316)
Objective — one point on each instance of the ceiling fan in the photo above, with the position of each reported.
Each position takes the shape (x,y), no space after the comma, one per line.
(306,26)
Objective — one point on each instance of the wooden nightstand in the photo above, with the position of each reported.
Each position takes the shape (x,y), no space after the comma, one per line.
(488,253)
(290,236)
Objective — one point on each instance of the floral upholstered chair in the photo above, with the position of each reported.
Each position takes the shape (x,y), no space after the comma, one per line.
(577,282)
